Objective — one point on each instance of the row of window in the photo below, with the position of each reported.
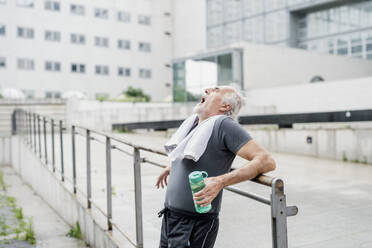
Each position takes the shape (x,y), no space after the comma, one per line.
(76,9)
(29,64)
(49,35)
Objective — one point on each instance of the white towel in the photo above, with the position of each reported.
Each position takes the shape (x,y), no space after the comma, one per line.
(192,145)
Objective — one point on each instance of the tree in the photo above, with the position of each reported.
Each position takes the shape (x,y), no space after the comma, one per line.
(136,95)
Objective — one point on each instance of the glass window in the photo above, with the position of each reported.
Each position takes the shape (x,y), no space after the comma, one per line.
(52,5)
(123,16)
(26,3)
(276,26)
(102,70)
(77,39)
(144,19)
(77,68)
(52,35)
(52,66)
(25,64)
(274,4)
(252,7)
(124,44)
(27,33)
(214,12)
(2,30)
(124,71)
(232,10)
(77,9)
(232,32)
(101,13)
(144,47)
(215,36)
(253,30)
(2,62)
(144,73)
(101,41)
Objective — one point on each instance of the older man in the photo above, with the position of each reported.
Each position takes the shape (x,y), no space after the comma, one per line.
(182,226)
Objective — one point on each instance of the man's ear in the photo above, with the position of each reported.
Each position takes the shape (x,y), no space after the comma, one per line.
(225,107)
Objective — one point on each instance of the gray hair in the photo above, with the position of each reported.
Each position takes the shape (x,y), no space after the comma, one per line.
(234,99)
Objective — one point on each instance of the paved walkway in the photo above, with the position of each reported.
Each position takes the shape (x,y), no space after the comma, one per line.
(50,230)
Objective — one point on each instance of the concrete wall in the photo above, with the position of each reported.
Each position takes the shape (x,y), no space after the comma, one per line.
(324,96)
(5,151)
(342,142)
(53,108)
(101,115)
(55,193)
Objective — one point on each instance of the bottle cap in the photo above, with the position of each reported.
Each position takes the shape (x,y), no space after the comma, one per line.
(197,176)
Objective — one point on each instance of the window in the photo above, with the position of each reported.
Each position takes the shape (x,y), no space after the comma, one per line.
(124,44)
(27,33)
(77,9)
(2,30)
(144,47)
(77,38)
(144,19)
(52,94)
(101,13)
(2,62)
(25,64)
(144,73)
(123,72)
(77,68)
(123,16)
(52,66)
(26,3)
(52,5)
(101,41)
(102,69)
(52,35)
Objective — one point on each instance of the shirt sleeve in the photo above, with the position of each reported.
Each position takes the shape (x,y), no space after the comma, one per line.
(233,136)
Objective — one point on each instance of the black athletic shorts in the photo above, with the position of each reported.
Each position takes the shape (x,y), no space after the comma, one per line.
(187,230)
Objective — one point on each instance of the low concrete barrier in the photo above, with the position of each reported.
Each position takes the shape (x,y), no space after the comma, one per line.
(55,193)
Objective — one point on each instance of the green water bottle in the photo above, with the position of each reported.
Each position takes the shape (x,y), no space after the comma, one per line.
(196,179)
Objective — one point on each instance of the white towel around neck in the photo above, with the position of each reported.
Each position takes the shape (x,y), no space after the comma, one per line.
(192,145)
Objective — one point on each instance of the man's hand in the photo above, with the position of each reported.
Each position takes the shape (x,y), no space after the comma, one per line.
(162,179)
(213,186)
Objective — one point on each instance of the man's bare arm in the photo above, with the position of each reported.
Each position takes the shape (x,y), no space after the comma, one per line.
(260,162)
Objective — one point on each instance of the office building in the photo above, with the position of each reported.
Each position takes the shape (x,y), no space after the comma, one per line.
(98,47)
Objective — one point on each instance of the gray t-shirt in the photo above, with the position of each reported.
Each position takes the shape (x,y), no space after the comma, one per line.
(226,140)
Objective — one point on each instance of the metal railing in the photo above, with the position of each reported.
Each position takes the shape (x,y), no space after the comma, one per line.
(28,125)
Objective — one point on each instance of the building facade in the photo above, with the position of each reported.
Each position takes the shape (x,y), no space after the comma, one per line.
(332,26)
(98,47)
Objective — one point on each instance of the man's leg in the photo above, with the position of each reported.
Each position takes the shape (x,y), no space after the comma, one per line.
(175,231)
(204,233)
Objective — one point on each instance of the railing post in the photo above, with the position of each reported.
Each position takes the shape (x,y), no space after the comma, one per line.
(53,152)
(35,147)
(14,122)
(278,215)
(73,158)
(89,185)
(138,196)
(29,128)
(61,143)
(45,141)
(108,182)
(38,132)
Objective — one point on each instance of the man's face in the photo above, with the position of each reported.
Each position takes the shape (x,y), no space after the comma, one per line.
(211,102)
